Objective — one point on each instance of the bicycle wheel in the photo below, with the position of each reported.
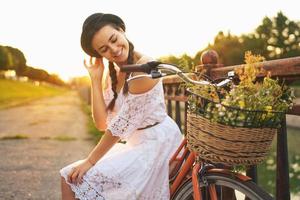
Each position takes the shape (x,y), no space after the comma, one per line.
(239,189)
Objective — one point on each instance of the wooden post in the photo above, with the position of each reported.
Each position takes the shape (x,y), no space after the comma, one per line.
(282,173)
(169,104)
(252,172)
(177,109)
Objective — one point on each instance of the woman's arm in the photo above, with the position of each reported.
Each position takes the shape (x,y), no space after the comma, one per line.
(95,68)
(98,105)
(105,144)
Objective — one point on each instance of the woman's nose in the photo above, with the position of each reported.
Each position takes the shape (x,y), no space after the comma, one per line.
(114,49)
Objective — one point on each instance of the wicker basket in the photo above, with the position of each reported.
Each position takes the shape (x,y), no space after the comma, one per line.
(219,143)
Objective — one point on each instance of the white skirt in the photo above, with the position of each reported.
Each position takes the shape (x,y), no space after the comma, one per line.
(137,170)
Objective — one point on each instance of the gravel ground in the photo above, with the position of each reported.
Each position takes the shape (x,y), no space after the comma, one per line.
(29,168)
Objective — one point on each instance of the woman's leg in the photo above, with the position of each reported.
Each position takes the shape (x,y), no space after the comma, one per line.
(66,192)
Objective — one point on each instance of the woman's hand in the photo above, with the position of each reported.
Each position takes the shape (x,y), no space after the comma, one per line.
(77,172)
(95,67)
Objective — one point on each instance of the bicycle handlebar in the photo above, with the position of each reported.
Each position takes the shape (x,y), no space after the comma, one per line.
(147,67)
(154,68)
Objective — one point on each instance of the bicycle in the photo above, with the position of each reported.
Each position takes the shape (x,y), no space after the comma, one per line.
(192,177)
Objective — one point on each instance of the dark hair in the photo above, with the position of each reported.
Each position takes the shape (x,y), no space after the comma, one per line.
(91,26)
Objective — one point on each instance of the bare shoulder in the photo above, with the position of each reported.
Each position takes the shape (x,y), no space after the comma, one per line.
(142,85)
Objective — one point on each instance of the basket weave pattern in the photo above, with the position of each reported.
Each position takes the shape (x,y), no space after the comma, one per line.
(218,143)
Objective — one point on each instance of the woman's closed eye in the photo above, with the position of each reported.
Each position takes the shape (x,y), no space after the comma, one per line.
(103,50)
(114,39)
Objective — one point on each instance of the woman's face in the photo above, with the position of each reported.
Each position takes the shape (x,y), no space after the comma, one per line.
(111,44)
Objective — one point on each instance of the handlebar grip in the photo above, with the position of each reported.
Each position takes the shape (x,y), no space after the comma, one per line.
(140,67)
(134,68)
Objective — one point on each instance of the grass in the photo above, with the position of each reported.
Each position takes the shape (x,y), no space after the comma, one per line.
(14,137)
(267,170)
(64,138)
(14,93)
(92,130)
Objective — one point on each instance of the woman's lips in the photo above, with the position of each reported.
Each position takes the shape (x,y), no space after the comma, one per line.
(119,53)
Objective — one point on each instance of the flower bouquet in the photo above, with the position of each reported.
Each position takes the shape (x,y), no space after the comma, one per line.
(236,125)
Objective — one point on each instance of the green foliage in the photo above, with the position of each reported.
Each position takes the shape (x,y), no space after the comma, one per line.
(64,138)
(14,137)
(185,62)
(82,81)
(229,48)
(95,133)
(15,93)
(267,169)
(12,58)
(274,38)
(281,36)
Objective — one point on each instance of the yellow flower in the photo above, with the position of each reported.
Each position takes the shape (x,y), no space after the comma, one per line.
(268,108)
(242,104)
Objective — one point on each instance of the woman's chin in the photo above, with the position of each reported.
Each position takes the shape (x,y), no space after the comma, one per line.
(121,61)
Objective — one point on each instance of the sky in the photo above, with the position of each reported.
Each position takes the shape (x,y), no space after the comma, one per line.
(48,31)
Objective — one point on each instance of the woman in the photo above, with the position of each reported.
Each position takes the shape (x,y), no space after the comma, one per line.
(133,112)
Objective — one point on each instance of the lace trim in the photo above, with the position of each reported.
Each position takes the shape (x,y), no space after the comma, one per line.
(87,190)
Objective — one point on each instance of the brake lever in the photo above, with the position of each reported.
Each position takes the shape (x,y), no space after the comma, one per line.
(156,74)
(224,82)
(138,76)
(230,75)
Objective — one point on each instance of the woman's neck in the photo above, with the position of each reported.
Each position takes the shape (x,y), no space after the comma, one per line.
(136,57)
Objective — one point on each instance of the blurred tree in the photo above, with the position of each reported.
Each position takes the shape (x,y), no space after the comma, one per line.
(281,35)
(18,60)
(81,81)
(55,79)
(6,59)
(12,58)
(36,74)
(229,47)
(3,58)
(185,62)
(274,39)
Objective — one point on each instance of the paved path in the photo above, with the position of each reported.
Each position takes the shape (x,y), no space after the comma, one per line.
(29,168)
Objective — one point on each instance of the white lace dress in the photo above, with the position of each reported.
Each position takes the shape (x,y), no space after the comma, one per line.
(137,170)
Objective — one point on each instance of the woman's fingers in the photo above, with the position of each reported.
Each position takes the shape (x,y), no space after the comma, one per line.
(84,62)
(70,174)
(79,178)
(74,176)
(93,62)
(98,61)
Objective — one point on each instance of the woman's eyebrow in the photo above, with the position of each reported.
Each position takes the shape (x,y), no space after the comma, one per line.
(110,38)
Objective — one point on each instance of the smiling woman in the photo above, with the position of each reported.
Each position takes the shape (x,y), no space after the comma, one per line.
(116,42)
(135,113)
